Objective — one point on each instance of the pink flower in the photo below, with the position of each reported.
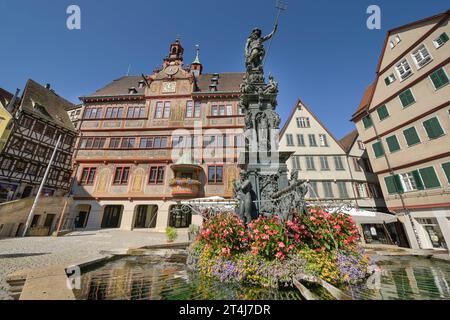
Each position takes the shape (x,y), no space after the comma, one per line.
(281,245)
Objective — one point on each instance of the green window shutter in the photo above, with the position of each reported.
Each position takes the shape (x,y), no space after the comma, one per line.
(378,149)
(429,178)
(367,121)
(446,168)
(444,37)
(383,112)
(387,81)
(392,143)
(411,136)
(393,184)
(439,78)
(418,180)
(407,98)
(433,128)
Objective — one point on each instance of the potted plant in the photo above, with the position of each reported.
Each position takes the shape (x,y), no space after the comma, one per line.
(194,230)
(171,234)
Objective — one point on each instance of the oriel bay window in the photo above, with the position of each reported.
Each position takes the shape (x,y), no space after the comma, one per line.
(156,175)
(88,176)
(215,174)
(121,175)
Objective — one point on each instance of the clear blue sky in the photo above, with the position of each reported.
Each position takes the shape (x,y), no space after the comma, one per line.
(323,53)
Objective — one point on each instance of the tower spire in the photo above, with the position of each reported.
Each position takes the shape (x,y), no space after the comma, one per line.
(196,66)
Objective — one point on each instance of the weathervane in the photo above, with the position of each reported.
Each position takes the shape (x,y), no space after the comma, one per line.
(280,6)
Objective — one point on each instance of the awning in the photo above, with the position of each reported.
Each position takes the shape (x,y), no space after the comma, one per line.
(370,217)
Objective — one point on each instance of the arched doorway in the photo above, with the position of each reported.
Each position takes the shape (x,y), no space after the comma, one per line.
(180,216)
(146,216)
(112,217)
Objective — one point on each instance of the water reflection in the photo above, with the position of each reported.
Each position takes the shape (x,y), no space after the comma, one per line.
(163,276)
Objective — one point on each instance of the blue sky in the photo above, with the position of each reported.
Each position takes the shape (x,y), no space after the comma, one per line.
(323,53)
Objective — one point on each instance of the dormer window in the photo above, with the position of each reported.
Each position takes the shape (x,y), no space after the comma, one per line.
(397,39)
(392,44)
(132,90)
(439,42)
(421,56)
(403,69)
(141,84)
(213,88)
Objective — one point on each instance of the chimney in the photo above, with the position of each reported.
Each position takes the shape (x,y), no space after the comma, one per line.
(12,103)
(47,86)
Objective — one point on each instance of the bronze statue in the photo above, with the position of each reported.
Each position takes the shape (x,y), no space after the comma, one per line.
(254,48)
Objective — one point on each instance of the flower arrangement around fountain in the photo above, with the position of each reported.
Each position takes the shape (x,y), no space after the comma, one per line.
(270,253)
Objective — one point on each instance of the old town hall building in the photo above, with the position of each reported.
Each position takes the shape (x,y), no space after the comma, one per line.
(148,142)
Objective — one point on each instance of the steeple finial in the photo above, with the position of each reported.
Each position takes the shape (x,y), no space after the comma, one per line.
(197,58)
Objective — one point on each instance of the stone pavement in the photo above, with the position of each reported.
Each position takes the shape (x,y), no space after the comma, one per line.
(36,253)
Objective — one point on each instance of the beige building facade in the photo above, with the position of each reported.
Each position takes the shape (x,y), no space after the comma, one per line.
(148,143)
(404,120)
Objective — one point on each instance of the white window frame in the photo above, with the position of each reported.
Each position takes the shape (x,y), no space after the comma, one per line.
(301,138)
(312,138)
(397,39)
(296,163)
(323,140)
(361,145)
(324,164)
(308,167)
(362,191)
(423,62)
(437,43)
(401,66)
(445,71)
(289,140)
(408,182)
(303,122)
(391,78)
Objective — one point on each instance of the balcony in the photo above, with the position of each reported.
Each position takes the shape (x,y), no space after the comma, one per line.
(186,182)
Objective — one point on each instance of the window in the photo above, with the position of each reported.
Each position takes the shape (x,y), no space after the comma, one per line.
(312,140)
(421,56)
(303,122)
(88,176)
(408,182)
(6,164)
(328,189)
(392,44)
(26,122)
(114,143)
(50,132)
(193,109)
(92,143)
(310,163)
(30,147)
(166,113)
(39,127)
(383,112)
(367,121)
(397,39)
(296,163)
(441,40)
(392,143)
(324,166)
(389,79)
(446,168)
(42,151)
(407,98)
(338,163)
(342,187)
(121,175)
(159,110)
(378,149)
(439,78)
(98,143)
(313,190)
(361,145)
(411,136)
(20,166)
(160,142)
(17,143)
(290,140)
(361,190)
(356,164)
(433,128)
(323,140)
(403,69)
(300,140)
(221,110)
(156,175)
(215,174)
(136,112)
(376,191)
(127,143)
(93,113)
(114,113)
(429,178)
(33,169)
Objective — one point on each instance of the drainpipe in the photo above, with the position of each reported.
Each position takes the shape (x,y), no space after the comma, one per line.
(407,213)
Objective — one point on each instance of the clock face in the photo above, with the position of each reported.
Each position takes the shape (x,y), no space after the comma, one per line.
(171,70)
(169,87)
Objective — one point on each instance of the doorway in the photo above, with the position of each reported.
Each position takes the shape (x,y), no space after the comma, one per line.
(180,217)
(112,217)
(146,216)
(35,221)
(27,192)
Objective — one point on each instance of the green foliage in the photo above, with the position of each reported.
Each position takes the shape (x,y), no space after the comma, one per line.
(171,234)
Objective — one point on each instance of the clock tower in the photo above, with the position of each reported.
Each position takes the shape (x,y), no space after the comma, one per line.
(175,56)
